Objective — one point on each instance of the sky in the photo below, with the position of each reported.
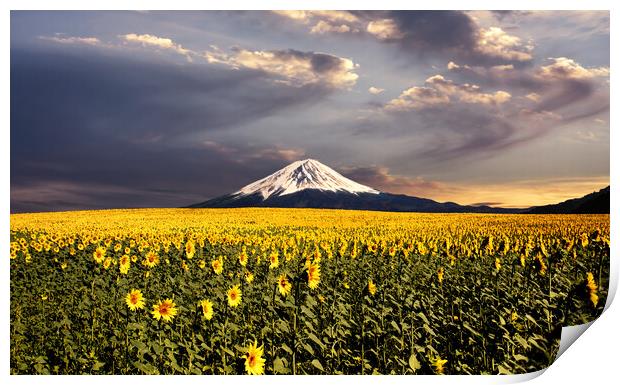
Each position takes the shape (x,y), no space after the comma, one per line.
(168,108)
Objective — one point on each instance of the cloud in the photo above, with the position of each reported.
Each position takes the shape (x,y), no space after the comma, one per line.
(155,41)
(375,90)
(324,27)
(384,29)
(380,178)
(565,68)
(324,21)
(440,91)
(417,98)
(492,204)
(445,120)
(307,16)
(560,85)
(59,38)
(110,121)
(533,96)
(576,25)
(291,66)
(496,43)
(143,100)
(452,33)
(249,153)
(452,65)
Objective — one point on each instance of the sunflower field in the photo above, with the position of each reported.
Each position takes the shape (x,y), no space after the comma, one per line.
(299,291)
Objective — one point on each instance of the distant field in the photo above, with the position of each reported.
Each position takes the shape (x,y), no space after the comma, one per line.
(320,291)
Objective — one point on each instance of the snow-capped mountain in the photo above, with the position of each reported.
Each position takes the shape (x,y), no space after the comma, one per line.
(310,183)
(303,175)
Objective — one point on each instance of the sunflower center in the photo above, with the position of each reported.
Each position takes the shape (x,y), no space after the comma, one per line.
(164,309)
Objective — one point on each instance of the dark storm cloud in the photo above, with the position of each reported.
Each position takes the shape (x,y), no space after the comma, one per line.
(454,131)
(565,93)
(107,130)
(435,30)
(324,63)
(574,98)
(492,204)
(381,179)
(451,35)
(458,131)
(142,100)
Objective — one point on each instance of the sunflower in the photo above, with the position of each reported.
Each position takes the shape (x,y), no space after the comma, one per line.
(498,264)
(438,363)
(249,277)
(540,264)
(190,249)
(590,282)
(274,261)
(314,275)
(592,287)
(207,308)
(284,286)
(514,316)
(99,254)
(134,299)
(243,259)
(584,240)
(107,263)
(440,275)
(372,288)
(202,264)
(234,296)
(164,309)
(151,259)
(254,361)
(124,264)
(124,260)
(217,265)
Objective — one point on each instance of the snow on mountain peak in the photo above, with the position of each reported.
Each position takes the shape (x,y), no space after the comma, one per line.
(302,175)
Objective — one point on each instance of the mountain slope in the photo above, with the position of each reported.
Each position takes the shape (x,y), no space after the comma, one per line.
(594,203)
(303,175)
(309,183)
(311,198)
